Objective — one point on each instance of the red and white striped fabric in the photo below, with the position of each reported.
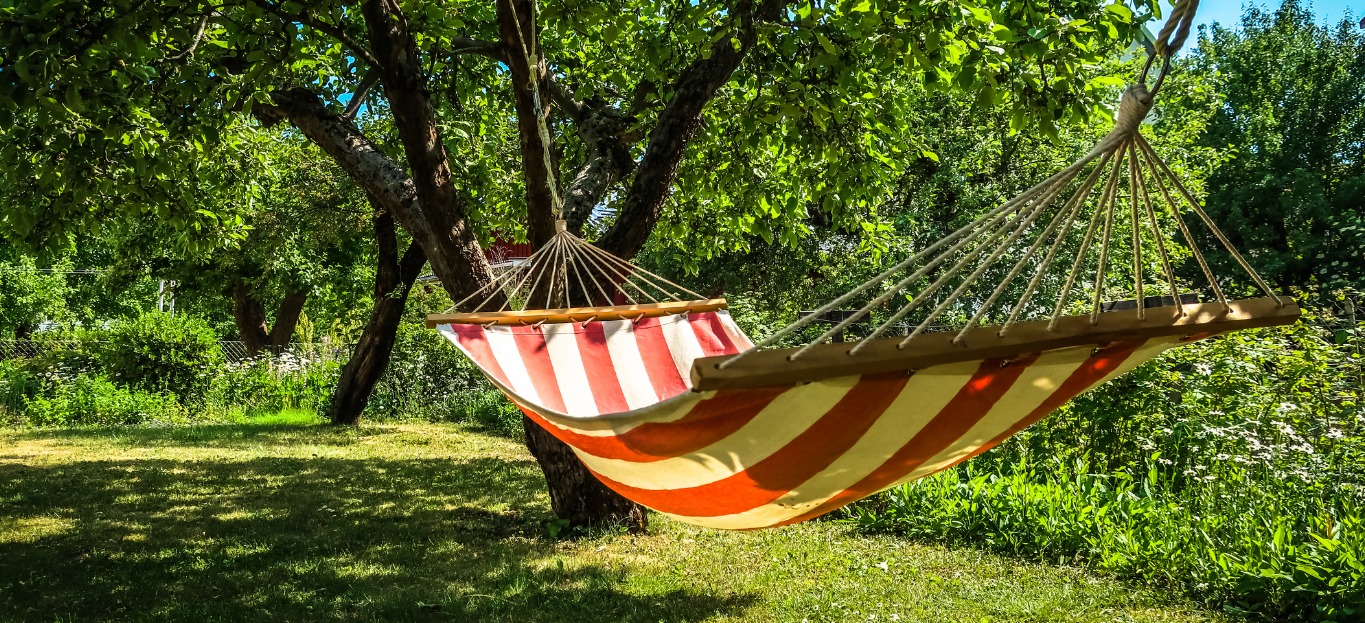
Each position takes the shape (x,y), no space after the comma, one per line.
(618,392)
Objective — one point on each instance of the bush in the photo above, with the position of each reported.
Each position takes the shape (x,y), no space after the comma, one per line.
(158,352)
(86,400)
(429,379)
(271,384)
(18,385)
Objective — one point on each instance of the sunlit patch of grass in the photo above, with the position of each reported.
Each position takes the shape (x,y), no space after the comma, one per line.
(293,522)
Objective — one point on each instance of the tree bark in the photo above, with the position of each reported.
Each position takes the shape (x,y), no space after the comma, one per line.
(455,256)
(575,494)
(442,230)
(249,315)
(287,319)
(253,326)
(677,125)
(520,36)
(392,282)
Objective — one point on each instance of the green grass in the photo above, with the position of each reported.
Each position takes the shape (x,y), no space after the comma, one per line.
(285,520)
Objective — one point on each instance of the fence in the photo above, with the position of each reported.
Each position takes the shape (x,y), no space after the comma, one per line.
(233,351)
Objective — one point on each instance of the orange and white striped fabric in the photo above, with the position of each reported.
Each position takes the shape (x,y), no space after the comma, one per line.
(618,393)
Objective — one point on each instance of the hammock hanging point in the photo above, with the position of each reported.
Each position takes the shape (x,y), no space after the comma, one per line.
(671,405)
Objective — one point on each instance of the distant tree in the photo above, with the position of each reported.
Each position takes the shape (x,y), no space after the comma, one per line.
(28,296)
(1293,117)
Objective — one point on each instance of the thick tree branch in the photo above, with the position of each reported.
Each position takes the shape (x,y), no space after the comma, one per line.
(384,180)
(441,229)
(520,37)
(487,49)
(678,124)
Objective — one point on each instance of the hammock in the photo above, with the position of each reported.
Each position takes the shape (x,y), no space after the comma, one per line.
(671,405)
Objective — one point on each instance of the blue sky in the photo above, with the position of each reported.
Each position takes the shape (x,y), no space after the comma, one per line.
(1228,12)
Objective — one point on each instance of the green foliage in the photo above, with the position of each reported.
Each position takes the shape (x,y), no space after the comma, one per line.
(1292,114)
(268,385)
(428,379)
(162,353)
(1232,468)
(28,298)
(85,400)
(18,385)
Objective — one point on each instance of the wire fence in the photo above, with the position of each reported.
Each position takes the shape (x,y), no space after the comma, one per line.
(233,351)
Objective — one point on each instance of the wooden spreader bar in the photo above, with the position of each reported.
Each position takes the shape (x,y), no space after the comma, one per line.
(578,314)
(772,368)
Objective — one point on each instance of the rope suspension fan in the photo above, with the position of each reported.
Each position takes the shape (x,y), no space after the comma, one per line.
(667,401)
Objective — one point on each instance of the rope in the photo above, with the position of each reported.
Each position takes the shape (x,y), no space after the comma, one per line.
(1104,241)
(542,127)
(1213,227)
(1184,228)
(804,321)
(642,272)
(1156,233)
(1068,210)
(1137,242)
(1085,246)
(1077,201)
(971,279)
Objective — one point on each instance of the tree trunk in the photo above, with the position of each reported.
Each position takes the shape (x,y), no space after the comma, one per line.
(254,327)
(392,282)
(575,494)
(249,314)
(520,36)
(286,320)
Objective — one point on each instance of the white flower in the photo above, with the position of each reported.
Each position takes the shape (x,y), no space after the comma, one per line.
(1286,407)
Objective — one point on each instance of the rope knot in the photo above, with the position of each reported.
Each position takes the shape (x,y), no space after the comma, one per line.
(1133,108)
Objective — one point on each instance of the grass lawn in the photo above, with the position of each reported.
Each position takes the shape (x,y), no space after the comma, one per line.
(279,521)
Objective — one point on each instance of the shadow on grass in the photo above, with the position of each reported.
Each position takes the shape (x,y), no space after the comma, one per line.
(296,539)
(211,435)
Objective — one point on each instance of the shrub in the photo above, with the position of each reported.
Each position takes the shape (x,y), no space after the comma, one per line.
(18,385)
(429,379)
(271,384)
(87,400)
(159,352)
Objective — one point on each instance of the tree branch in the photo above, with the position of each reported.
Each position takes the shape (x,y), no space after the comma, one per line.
(358,97)
(330,30)
(488,49)
(678,124)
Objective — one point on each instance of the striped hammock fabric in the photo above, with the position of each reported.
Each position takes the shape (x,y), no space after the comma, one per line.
(619,393)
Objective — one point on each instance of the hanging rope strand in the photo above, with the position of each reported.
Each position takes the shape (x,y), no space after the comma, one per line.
(1213,227)
(1137,241)
(971,279)
(612,272)
(903,264)
(984,234)
(1077,201)
(1085,246)
(1111,202)
(1185,230)
(1156,233)
(542,121)
(643,274)
(1067,211)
